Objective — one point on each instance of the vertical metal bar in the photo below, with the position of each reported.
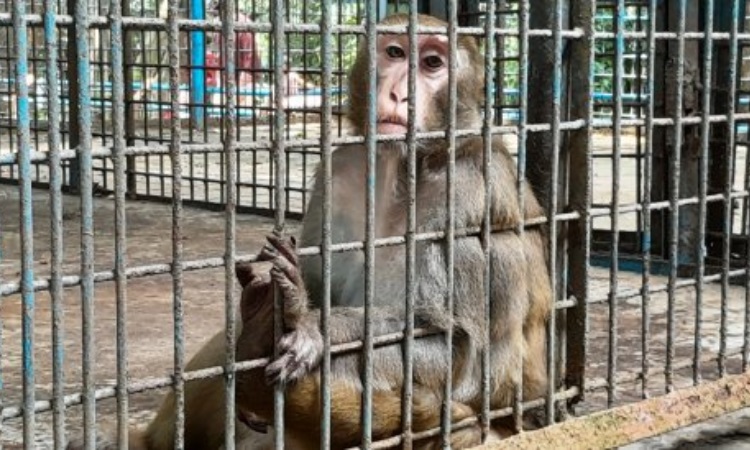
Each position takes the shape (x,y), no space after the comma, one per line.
(700,256)
(407,397)
(279,161)
(674,196)
(615,205)
(56,223)
(198,64)
(728,183)
(648,172)
(523,110)
(118,125)
(450,224)
(27,219)
(326,24)
(581,158)
(552,206)
(371,15)
(173,48)
(230,161)
(85,189)
(489,121)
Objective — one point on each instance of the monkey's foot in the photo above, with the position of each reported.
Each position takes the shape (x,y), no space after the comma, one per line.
(300,352)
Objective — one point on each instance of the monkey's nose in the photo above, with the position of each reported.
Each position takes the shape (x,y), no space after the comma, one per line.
(397,97)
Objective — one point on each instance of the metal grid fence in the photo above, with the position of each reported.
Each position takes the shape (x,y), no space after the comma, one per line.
(689,161)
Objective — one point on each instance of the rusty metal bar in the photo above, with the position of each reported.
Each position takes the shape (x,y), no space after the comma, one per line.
(120,188)
(230,225)
(581,189)
(178,283)
(21,47)
(278,14)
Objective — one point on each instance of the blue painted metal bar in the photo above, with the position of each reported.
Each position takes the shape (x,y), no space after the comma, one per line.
(56,223)
(85,189)
(20,35)
(197,63)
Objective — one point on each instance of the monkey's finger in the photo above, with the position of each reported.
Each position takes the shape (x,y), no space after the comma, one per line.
(286,247)
(267,253)
(290,270)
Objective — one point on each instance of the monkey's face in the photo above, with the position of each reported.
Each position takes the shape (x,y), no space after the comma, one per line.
(432,110)
(393,80)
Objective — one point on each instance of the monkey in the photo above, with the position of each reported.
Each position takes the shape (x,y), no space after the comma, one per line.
(520,292)
(520,289)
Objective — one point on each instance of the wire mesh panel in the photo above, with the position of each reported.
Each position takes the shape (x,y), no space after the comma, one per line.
(628,120)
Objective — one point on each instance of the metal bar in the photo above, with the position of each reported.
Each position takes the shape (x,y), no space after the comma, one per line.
(326,131)
(230,219)
(27,221)
(175,155)
(648,171)
(728,183)
(118,126)
(703,187)
(674,195)
(279,163)
(85,189)
(56,223)
(615,202)
(450,223)
(626,424)
(581,191)
(552,201)
(407,396)
(523,94)
(489,117)
(371,15)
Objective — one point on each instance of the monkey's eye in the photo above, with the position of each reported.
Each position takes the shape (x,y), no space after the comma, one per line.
(395,52)
(433,62)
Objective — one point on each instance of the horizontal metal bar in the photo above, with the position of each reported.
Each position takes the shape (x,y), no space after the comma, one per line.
(663,205)
(679,284)
(158,24)
(395,441)
(163,149)
(599,383)
(629,423)
(132,272)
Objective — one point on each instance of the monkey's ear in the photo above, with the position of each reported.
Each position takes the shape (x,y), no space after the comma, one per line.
(244,273)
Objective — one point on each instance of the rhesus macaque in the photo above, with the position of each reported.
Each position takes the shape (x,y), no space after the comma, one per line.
(520,287)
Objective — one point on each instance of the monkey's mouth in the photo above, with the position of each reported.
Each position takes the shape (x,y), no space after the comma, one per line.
(391,125)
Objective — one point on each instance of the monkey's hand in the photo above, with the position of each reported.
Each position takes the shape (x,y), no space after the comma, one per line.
(300,349)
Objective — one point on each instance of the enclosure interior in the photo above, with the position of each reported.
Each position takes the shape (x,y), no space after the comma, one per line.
(650,238)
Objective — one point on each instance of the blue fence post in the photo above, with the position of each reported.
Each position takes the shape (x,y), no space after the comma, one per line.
(197,64)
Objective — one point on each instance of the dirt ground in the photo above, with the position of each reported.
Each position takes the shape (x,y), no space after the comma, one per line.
(150,309)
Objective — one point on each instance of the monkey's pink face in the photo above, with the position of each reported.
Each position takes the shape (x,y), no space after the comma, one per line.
(393,79)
